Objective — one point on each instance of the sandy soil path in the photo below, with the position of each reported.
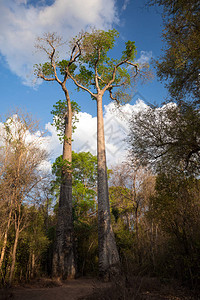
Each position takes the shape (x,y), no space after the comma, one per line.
(69,290)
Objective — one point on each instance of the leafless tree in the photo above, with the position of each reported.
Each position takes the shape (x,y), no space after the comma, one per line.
(21,156)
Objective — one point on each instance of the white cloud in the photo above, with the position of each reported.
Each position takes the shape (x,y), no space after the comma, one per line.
(21,23)
(116,129)
(145,57)
(51,142)
(85,136)
(126,2)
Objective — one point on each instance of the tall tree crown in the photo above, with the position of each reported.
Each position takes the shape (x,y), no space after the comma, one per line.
(98,70)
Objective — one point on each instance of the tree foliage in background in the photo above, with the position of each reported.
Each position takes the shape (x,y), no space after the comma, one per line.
(131,187)
(84,178)
(179,65)
(167,138)
(175,208)
(21,156)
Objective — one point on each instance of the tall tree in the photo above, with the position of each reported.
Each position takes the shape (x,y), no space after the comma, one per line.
(180,62)
(97,74)
(64,258)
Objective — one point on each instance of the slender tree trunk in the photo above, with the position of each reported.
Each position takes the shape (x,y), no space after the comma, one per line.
(14,253)
(5,239)
(33,265)
(108,254)
(64,265)
(136,223)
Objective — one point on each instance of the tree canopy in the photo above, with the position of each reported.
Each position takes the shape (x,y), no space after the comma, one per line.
(179,66)
(167,138)
(97,70)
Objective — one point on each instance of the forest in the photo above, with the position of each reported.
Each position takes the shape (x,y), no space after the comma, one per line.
(138,219)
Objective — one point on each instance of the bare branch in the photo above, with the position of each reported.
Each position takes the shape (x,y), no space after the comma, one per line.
(115,71)
(112,97)
(49,43)
(76,51)
(46,78)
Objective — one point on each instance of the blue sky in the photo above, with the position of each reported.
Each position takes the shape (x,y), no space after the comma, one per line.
(131,18)
(21,21)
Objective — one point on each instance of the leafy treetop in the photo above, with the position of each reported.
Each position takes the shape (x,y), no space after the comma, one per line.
(98,72)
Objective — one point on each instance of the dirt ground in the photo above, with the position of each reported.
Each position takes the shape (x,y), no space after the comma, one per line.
(46,289)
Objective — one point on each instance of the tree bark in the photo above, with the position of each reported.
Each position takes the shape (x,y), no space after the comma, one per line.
(14,252)
(5,238)
(64,265)
(108,253)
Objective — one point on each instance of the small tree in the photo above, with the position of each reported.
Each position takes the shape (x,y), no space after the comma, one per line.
(131,186)
(22,157)
(97,74)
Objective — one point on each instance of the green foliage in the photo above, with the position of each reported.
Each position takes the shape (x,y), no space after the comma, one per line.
(84,185)
(130,51)
(84,166)
(32,245)
(97,68)
(86,233)
(121,201)
(46,69)
(58,167)
(174,201)
(84,180)
(125,240)
(98,41)
(64,64)
(180,62)
(85,76)
(60,114)
(175,207)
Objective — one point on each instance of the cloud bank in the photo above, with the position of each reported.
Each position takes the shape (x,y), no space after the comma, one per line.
(116,126)
(21,21)
(85,136)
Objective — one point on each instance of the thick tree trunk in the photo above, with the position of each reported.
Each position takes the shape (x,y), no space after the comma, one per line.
(108,254)
(64,265)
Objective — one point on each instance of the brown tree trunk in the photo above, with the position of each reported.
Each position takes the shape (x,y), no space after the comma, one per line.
(64,265)
(14,252)
(108,254)
(33,265)
(5,238)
